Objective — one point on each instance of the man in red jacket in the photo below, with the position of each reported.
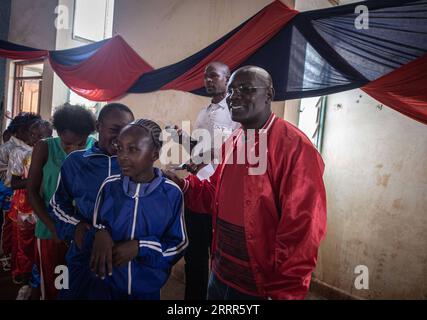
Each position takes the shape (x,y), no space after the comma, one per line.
(268,217)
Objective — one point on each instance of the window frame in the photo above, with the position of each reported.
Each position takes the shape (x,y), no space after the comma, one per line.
(17,77)
(74,36)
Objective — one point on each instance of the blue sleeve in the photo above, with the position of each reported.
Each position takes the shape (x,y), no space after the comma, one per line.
(61,207)
(165,252)
(104,208)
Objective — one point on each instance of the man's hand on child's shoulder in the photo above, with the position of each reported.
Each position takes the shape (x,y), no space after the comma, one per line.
(174,177)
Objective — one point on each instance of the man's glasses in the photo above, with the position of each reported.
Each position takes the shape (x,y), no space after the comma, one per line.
(243,89)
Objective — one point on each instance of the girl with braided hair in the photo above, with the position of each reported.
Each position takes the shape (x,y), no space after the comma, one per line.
(138,220)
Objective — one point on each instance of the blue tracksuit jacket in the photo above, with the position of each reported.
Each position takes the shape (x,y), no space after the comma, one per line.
(151,213)
(81,176)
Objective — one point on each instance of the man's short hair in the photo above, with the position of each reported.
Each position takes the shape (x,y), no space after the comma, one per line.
(113,106)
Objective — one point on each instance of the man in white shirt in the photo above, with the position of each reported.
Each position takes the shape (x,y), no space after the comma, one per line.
(216,119)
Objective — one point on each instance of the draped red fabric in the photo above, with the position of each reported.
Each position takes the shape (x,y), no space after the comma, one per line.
(239,47)
(106,75)
(23,55)
(404,89)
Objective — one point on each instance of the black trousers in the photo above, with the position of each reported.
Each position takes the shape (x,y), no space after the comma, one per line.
(199,232)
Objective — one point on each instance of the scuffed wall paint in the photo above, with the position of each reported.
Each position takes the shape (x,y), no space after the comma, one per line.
(376,181)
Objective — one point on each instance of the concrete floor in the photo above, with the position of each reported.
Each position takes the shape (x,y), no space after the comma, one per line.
(173,289)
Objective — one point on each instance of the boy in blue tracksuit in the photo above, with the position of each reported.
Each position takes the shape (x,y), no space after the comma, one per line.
(71,206)
(139,221)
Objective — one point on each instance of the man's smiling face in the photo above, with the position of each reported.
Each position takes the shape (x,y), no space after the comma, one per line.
(248,97)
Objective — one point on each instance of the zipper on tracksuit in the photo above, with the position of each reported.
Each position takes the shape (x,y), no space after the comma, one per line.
(132,236)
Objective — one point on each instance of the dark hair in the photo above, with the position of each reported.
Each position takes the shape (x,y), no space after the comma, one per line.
(152,128)
(6,135)
(74,118)
(46,124)
(220,65)
(43,124)
(21,121)
(113,106)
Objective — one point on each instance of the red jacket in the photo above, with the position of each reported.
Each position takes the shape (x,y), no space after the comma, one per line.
(284,211)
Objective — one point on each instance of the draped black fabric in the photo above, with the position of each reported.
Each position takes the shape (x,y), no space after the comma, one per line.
(338,56)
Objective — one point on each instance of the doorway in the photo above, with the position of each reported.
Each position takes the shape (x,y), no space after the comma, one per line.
(27,86)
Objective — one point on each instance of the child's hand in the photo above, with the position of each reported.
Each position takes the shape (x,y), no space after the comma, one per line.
(101,257)
(125,251)
(79,234)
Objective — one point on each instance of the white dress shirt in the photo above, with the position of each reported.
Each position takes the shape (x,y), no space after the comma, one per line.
(216,119)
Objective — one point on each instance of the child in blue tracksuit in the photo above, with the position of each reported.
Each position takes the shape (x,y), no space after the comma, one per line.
(71,206)
(139,221)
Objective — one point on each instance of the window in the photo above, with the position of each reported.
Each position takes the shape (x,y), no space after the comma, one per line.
(311,119)
(93,106)
(27,86)
(93,20)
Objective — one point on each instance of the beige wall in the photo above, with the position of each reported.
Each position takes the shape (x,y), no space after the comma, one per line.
(167,31)
(64,40)
(376,181)
(32,23)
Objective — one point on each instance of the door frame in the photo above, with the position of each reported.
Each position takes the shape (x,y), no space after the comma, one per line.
(18,78)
